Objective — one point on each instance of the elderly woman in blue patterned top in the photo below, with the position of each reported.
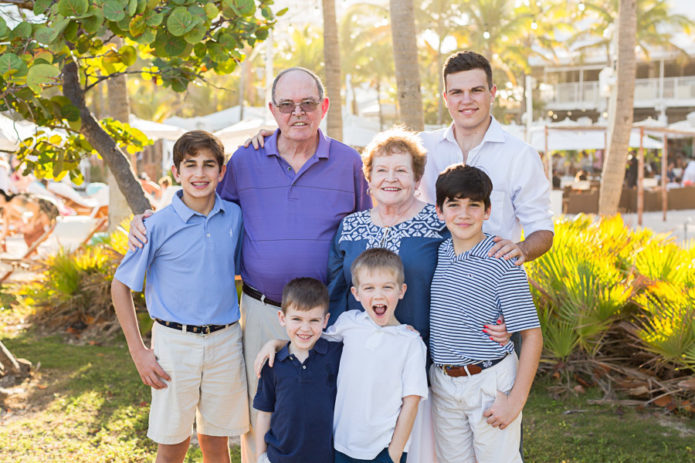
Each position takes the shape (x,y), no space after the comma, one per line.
(394,163)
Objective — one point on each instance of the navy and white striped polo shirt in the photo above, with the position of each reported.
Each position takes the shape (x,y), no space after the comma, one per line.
(472,290)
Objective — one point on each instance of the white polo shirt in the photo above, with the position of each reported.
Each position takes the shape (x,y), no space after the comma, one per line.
(379,366)
(520,191)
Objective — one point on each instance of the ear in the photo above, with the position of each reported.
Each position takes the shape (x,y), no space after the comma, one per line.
(325,320)
(353,290)
(493,92)
(222,172)
(175,173)
(281,318)
(440,214)
(403,288)
(325,104)
(488,211)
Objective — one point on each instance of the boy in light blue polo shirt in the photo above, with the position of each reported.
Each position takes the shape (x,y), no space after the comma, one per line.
(478,386)
(195,366)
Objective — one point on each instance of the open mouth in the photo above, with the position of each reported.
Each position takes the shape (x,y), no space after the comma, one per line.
(391,188)
(379,309)
(200,185)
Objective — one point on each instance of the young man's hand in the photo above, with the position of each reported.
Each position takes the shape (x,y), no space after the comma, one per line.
(502,412)
(395,457)
(149,369)
(267,353)
(137,236)
(507,249)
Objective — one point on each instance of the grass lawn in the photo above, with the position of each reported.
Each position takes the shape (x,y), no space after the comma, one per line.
(87,404)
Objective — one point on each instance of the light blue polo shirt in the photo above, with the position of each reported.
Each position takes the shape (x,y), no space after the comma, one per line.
(190,261)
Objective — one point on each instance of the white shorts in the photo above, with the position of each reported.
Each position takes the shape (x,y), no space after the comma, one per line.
(462,433)
(208,385)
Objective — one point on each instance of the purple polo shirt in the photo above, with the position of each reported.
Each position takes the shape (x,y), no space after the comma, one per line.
(290,217)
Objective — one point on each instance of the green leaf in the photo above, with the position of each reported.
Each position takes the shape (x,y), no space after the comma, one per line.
(195,35)
(92,24)
(142,6)
(41,74)
(3,28)
(132,7)
(21,30)
(137,26)
(73,7)
(40,6)
(200,50)
(211,11)
(245,7)
(50,33)
(70,32)
(179,21)
(153,19)
(281,12)
(262,33)
(114,10)
(146,37)
(174,46)
(128,55)
(267,12)
(12,65)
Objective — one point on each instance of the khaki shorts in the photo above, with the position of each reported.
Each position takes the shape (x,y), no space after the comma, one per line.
(208,385)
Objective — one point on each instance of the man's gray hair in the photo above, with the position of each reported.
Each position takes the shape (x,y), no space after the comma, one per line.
(319,84)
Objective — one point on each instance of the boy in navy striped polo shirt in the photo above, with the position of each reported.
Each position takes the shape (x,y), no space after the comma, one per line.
(478,387)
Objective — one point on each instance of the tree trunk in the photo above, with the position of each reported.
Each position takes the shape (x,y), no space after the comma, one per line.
(113,156)
(331,57)
(621,122)
(406,62)
(118,109)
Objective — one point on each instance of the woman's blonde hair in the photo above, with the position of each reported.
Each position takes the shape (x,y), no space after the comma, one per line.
(393,141)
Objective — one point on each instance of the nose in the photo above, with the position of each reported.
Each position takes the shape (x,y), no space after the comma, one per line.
(297,108)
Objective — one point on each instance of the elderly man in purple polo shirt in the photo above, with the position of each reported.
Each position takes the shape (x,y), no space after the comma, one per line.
(293,192)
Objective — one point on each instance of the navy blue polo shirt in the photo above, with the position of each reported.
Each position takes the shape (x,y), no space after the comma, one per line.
(301,397)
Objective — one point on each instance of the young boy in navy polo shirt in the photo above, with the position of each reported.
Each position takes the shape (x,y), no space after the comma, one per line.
(478,386)
(295,397)
(195,366)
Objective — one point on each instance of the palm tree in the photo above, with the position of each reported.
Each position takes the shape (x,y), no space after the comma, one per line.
(621,122)
(331,54)
(406,62)
(366,51)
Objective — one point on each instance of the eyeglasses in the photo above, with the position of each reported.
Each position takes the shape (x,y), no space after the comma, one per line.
(288,107)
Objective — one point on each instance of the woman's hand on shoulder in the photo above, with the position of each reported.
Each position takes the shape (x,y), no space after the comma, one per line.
(498,332)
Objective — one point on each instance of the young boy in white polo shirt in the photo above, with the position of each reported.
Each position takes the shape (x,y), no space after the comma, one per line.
(382,377)
(478,386)
(195,366)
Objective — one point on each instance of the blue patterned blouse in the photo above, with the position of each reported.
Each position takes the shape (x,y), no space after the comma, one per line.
(416,241)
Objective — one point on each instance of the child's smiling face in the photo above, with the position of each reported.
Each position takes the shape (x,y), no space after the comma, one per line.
(378,290)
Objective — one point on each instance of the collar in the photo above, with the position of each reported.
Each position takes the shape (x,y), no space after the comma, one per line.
(321,347)
(322,149)
(479,250)
(186,212)
(494,133)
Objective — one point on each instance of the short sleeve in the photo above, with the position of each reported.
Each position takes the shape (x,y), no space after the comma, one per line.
(414,376)
(265,394)
(516,302)
(227,188)
(133,268)
(336,331)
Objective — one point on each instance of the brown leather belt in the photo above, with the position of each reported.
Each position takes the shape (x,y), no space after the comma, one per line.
(468,370)
(256,294)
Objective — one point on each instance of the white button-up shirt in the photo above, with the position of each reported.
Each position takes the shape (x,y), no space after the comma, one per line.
(520,190)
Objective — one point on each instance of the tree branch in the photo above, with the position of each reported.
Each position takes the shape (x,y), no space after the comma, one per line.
(24,4)
(103,143)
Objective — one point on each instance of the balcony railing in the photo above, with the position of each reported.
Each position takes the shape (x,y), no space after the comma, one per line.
(676,92)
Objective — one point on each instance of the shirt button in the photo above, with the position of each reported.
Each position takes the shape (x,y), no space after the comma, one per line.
(303,367)
(208,235)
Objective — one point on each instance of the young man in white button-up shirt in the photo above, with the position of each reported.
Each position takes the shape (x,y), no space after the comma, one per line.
(521,192)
